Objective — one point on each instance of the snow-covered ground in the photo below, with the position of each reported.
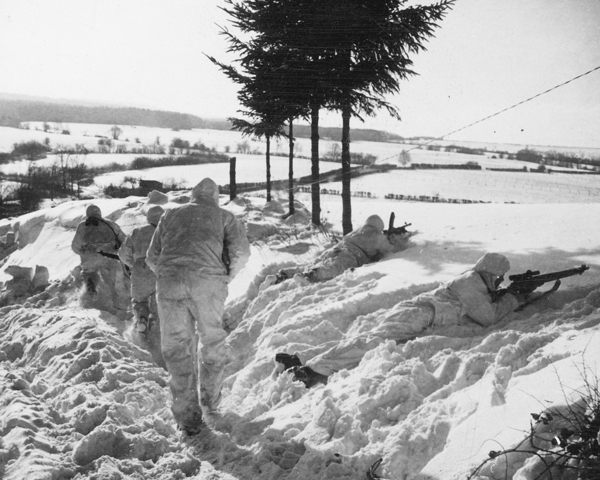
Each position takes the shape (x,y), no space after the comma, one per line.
(250,168)
(484,186)
(80,400)
(81,397)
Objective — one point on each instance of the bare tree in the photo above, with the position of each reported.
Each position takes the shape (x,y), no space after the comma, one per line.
(70,166)
(116,132)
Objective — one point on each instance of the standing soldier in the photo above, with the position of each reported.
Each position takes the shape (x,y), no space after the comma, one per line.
(97,241)
(143,281)
(186,254)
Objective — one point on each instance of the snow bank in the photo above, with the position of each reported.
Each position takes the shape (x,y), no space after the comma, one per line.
(80,400)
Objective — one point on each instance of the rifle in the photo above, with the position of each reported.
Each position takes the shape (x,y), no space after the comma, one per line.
(395,230)
(115,257)
(108,255)
(526,283)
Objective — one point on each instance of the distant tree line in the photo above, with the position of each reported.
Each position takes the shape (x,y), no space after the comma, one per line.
(556,159)
(16,111)
(358,134)
(446,166)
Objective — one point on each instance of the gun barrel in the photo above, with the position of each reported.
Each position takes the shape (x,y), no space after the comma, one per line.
(547,277)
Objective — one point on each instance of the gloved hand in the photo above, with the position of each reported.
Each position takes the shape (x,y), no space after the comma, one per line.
(523,289)
(400,241)
(90,248)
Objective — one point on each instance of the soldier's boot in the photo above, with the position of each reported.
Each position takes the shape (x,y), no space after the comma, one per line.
(288,361)
(308,376)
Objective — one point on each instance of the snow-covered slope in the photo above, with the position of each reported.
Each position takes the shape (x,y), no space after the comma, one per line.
(81,399)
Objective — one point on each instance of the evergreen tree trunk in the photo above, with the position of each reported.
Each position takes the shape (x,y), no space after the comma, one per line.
(291,170)
(315,183)
(268,168)
(346,173)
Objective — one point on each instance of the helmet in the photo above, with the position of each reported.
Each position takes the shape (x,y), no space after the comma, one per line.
(494,263)
(375,221)
(93,211)
(154,213)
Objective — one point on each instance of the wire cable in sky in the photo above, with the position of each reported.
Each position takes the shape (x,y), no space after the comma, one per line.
(503,110)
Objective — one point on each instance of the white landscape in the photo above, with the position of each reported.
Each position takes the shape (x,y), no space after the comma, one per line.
(80,400)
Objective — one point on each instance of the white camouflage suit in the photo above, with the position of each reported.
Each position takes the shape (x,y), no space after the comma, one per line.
(186,255)
(366,244)
(95,235)
(465,300)
(133,254)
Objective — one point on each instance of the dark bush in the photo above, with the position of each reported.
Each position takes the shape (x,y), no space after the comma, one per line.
(31,150)
(527,155)
(29,198)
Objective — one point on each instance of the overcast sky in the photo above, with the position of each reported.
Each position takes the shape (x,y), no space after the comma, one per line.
(487,56)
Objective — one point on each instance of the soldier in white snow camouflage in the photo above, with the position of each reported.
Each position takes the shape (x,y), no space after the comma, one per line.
(143,281)
(186,253)
(366,244)
(97,241)
(466,300)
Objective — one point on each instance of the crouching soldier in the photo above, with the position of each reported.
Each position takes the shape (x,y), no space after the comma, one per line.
(143,281)
(469,299)
(97,241)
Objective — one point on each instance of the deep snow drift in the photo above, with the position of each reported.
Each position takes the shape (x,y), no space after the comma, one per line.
(80,400)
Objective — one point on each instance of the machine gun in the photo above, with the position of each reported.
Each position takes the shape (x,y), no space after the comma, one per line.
(395,230)
(526,283)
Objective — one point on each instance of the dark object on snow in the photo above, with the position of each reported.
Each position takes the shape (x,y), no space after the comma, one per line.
(395,230)
(303,374)
(526,283)
(288,361)
(371,475)
(308,376)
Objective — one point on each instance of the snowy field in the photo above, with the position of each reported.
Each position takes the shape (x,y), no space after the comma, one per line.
(482,185)
(250,168)
(82,399)
(222,141)
(478,186)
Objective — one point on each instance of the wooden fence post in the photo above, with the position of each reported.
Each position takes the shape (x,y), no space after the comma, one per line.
(232,186)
